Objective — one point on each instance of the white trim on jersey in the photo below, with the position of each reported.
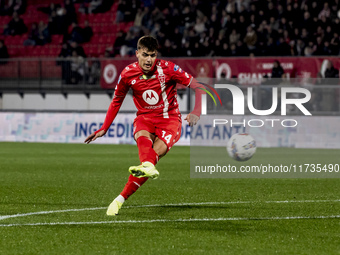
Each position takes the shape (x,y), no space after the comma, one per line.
(164,95)
(190,82)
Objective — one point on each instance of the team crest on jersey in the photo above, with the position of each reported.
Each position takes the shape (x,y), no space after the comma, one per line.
(161,78)
(150,97)
(176,67)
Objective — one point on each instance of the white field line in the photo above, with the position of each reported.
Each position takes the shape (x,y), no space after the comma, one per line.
(48,212)
(3,217)
(167,220)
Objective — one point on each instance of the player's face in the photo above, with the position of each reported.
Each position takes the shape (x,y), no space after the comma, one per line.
(146,59)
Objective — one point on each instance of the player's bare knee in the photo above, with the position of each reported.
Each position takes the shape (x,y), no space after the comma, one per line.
(144,133)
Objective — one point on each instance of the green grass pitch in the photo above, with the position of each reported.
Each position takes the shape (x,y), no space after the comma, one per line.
(188,216)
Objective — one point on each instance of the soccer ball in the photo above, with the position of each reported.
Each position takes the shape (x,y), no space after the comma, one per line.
(241,147)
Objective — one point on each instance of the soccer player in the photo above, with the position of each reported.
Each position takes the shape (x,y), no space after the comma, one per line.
(158,124)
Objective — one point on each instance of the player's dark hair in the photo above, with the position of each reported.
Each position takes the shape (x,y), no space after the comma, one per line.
(148,42)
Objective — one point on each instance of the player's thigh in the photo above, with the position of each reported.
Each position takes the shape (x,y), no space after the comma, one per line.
(143,126)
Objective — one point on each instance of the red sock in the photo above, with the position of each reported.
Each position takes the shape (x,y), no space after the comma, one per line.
(132,185)
(146,152)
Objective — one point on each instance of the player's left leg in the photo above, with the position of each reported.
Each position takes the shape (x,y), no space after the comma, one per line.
(132,185)
(139,174)
(151,148)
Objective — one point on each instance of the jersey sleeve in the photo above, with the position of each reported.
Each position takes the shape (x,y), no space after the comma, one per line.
(179,75)
(120,92)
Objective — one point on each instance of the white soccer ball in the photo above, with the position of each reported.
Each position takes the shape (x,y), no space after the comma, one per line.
(241,147)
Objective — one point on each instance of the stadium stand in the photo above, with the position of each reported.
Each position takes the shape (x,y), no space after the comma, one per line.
(234,27)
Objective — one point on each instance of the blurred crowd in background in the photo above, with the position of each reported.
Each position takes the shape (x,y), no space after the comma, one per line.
(184,28)
(235,27)
(192,28)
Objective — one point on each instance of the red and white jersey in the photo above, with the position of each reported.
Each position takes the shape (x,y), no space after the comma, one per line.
(153,93)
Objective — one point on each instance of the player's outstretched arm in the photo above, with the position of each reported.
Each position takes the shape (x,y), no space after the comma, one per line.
(92,137)
(119,95)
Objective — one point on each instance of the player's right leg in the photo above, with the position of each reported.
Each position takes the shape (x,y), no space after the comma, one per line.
(147,156)
(139,174)
(144,130)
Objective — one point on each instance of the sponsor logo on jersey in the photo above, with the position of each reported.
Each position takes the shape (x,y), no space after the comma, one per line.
(153,107)
(176,67)
(161,78)
(150,97)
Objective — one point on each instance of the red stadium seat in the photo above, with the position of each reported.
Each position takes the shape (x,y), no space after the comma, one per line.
(90,18)
(19,39)
(96,28)
(101,48)
(92,51)
(86,47)
(95,39)
(35,52)
(28,50)
(13,52)
(53,52)
(106,28)
(97,18)
(106,18)
(57,39)
(101,39)
(111,39)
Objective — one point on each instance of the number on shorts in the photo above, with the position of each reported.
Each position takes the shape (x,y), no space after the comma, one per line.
(166,138)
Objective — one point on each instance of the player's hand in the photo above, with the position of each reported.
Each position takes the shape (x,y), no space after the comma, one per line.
(94,136)
(192,119)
